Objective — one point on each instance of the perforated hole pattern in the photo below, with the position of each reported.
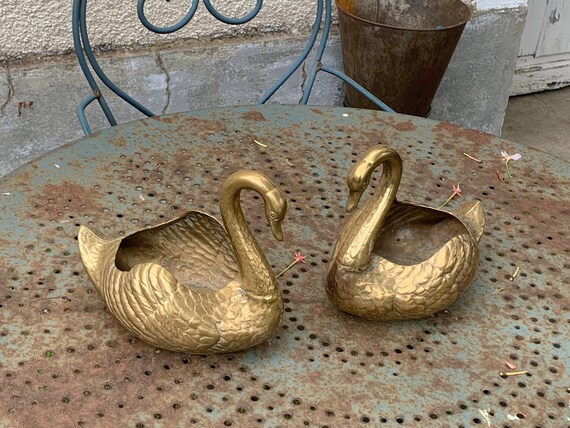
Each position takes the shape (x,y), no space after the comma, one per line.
(66,360)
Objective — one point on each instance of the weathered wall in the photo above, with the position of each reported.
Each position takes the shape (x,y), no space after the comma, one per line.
(44,27)
(498,4)
(32,28)
(193,74)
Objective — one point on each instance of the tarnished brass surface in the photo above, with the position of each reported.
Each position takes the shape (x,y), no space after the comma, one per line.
(188,285)
(396,261)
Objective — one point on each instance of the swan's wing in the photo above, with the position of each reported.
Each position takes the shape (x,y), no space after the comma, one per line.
(195,248)
(156,307)
(95,252)
(443,277)
(473,216)
(402,213)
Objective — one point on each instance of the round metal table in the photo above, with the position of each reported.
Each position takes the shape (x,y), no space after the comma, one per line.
(65,361)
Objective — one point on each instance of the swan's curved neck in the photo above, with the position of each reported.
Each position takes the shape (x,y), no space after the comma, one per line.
(359,234)
(256,273)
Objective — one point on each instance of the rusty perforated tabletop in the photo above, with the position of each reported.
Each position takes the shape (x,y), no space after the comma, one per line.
(65,361)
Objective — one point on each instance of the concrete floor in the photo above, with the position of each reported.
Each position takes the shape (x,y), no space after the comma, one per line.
(541,121)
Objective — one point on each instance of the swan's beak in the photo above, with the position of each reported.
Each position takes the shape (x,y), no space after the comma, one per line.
(276,229)
(352,201)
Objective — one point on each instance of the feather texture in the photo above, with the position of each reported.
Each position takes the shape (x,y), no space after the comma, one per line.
(397,261)
(179,285)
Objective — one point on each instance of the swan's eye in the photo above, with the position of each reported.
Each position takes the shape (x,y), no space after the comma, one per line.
(272,215)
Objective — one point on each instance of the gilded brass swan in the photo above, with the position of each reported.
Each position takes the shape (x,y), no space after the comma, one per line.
(398,261)
(188,285)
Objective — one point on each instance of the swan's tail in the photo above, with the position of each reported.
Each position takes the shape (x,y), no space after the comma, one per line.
(473,216)
(92,248)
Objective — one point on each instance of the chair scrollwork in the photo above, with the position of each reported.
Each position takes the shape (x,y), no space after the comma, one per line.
(91,67)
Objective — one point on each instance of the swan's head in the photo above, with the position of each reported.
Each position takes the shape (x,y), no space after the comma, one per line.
(357,180)
(361,172)
(275,210)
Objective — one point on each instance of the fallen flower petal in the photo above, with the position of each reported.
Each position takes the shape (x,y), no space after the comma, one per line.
(456,192)
(299,258)
(507,158)
(510,365)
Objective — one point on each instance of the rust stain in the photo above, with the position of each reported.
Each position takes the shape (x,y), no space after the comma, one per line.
(66,194)
(379,137)
(119,141)
(25,176)
(255,116)
(204,126)
(443,130)
(75,164)
(3,266)
(399,125)
(166,119)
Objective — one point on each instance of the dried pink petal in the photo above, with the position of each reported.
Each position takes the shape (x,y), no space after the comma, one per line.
(299,258)
(456,190)
(510,365)
(507,157)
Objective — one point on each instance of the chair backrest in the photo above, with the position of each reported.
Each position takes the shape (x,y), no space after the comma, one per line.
(91,67)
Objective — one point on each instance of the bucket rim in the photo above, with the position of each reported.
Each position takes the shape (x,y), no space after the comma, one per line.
(459,24)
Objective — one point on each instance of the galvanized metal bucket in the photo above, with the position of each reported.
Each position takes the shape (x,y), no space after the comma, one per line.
(399,49)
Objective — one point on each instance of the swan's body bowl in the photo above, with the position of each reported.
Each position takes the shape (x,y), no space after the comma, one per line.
(396,261)
(190,285)
(421,261)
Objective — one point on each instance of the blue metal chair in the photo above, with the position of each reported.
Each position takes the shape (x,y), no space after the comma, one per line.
(89,64)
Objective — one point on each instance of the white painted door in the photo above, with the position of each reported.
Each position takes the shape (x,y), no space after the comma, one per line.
(544,57)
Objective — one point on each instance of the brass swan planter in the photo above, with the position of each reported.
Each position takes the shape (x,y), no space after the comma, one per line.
(188,285)
(398,261)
